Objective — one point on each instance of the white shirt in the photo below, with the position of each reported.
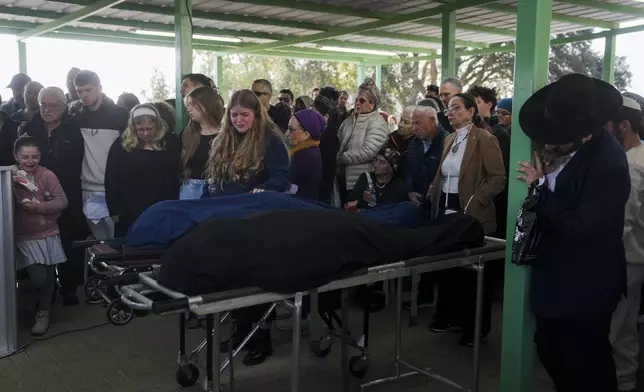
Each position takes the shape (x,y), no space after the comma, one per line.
(552,176)
(451,167)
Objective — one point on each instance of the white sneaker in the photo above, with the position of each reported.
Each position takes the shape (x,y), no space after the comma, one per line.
(42,323)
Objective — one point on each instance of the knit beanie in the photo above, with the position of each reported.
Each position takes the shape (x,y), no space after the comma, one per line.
(312,122)
(369,86)
(505,104)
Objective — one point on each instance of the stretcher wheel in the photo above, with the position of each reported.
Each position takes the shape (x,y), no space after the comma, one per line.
(187,376)
(118,313)
(359,365)
(92,287)
(321,348)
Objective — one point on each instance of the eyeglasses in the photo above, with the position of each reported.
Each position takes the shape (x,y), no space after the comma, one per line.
(259,93)
(503,113)
(284,99)
(451,109)
(362,100)
(50,106)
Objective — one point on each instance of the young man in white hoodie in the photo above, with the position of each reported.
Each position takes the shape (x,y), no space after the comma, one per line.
(624,335)
(101,123)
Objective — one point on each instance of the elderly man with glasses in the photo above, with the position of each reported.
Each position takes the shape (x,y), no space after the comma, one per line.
(62,147)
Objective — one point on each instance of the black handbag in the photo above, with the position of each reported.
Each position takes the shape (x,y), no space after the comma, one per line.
(526,232)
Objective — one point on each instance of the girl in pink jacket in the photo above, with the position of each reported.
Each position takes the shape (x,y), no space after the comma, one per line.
(38,247)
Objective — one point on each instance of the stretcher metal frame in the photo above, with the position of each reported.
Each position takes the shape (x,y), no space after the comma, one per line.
(135,288)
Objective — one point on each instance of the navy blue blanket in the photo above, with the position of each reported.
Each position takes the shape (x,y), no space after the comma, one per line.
(162,224)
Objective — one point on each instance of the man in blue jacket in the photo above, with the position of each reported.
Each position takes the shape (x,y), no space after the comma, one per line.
(581,187)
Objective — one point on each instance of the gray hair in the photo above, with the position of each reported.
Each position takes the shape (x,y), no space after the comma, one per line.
(54,92)
(429,111)
(454,81)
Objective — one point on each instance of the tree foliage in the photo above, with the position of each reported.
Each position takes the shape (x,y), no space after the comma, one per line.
(159,89)
(403,84)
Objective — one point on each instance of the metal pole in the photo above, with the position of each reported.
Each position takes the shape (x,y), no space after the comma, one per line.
(22,57)
(478,322)
(182,53)
(9,341)
(531,73)
(448,50)
(379,76)
(361,73)
(608,72)
(295,358)
(218,75)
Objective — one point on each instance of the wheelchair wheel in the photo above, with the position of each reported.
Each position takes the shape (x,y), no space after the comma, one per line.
(92,287)
(118,313)
(321,348)
(187,376)
(359,365)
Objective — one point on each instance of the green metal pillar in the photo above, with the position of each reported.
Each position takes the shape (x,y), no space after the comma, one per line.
(531,73)
(448,50)
(22,57)
(608,74)
(362,71)
(182,53)
(218,75)
(379,76)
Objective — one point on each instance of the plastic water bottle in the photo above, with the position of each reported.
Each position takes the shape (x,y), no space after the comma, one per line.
(372,203)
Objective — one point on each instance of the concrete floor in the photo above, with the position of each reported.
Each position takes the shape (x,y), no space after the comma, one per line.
(140,357)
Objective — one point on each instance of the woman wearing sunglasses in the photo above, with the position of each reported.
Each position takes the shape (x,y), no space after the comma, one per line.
(361,136)
(470,175)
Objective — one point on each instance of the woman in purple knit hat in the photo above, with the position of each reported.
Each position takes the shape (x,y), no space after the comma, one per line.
(304,131)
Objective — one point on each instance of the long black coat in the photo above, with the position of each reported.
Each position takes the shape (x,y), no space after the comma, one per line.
(581,267)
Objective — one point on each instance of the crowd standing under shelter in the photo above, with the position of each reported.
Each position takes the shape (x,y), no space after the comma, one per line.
(99,164)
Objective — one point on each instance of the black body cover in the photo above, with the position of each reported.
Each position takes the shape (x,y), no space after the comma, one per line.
(290,251)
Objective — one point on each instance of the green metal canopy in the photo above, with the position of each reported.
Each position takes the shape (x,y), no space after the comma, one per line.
(358,31)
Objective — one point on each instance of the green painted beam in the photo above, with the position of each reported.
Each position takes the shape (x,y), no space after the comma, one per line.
(531,73)
(69,18)
(362,45)
(294,55)
(358,56)
(606,6)
(608,71)
(22,57)
(508,9)
(183,55)
(470,27)
(339,31)
(418,38)
(448,51)
(362,71)
(218,75)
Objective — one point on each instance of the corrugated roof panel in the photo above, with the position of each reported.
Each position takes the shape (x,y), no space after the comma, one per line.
(29,19)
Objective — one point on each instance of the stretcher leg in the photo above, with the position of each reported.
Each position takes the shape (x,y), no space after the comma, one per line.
(478,321)
(231,368)
(295,359)
(344,347)
(413,311)
(213,334)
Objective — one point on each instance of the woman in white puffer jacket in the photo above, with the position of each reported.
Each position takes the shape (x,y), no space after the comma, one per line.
(361,135)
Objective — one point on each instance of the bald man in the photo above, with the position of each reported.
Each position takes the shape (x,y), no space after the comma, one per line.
(424,153)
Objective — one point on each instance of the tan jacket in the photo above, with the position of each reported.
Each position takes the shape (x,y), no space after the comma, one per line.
(481,178)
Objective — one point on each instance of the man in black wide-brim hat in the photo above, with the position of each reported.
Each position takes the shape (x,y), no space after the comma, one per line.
(580,272)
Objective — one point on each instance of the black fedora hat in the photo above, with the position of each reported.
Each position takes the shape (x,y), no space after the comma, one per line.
(569,109)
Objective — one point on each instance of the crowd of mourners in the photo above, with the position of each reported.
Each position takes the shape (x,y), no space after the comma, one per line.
(98,164)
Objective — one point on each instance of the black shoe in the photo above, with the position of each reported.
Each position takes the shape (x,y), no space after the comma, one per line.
(441,327)
(469,340)
(70,300)
(262,348)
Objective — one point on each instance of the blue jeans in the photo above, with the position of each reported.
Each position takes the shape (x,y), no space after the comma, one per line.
(192,189)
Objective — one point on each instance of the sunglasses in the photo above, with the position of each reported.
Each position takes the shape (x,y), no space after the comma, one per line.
(259,93)
(284,99)
(362,100)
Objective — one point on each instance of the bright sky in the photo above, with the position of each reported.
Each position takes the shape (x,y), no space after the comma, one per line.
(129,67)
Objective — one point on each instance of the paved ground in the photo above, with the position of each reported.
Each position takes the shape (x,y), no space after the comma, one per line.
(140,357)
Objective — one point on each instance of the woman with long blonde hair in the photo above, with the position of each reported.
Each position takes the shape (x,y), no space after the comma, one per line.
(206,111)
(142,167)
(249,154)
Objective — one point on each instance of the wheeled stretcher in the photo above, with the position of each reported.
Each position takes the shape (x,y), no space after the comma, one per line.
(141,291)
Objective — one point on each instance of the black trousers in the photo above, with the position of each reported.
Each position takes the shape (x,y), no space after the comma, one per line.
(577,353)
(72,228)
(456,303)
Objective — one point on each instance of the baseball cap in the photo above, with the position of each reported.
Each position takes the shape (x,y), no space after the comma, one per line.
(19,81)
